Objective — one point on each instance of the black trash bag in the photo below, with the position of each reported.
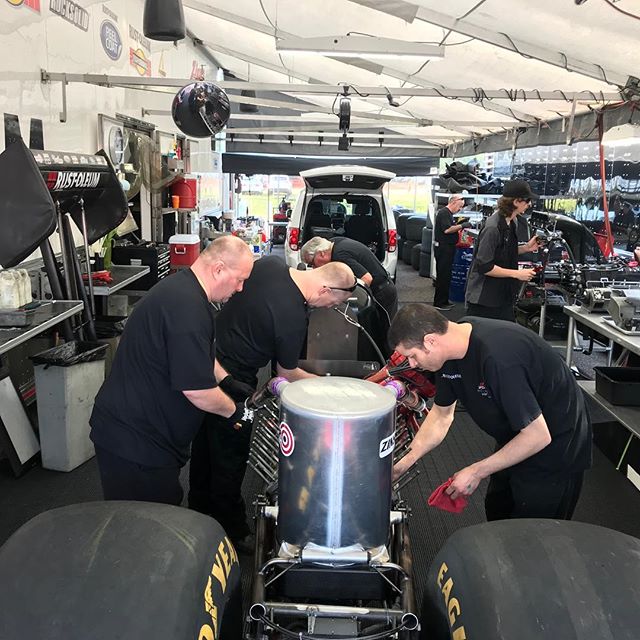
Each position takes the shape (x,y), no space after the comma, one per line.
(27,211)
(110,326)
(70,353)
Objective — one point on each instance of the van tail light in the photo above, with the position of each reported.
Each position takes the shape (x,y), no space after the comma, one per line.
(294,238)
(392,240)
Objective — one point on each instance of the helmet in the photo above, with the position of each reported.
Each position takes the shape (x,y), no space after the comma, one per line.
(201,109)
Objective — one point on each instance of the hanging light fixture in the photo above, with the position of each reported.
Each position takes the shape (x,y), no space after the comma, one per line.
(163,20)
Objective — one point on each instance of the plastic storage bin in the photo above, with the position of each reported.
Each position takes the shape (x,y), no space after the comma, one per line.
(619,385)
(184,249)
(68,378)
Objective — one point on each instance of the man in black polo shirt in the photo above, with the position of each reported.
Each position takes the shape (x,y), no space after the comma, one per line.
(445,237)
(364,264)
(519,391)
(162,380)
(266,322)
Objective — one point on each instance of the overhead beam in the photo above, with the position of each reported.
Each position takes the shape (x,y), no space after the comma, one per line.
(299,121)
(314,132)
(354,144)
(390,121)
(409,12)
(487,105)
(149,82)
(427,92)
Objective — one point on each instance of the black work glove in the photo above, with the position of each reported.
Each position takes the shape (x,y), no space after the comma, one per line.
(465,225)
(238,391)
(242,418)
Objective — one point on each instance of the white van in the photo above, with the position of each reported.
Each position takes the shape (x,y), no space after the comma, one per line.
(344,200)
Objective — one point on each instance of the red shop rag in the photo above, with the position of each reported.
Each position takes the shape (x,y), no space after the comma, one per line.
(441,500)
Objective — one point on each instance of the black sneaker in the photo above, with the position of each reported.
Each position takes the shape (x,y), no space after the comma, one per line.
(444,307)
(245,546)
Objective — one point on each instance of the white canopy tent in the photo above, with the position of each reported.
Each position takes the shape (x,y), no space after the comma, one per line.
(566,49)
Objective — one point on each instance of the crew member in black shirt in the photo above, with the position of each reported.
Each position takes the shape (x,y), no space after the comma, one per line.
(266,322)
(163,381)
(494,277)
(364,264)
(519,391)
(445,237)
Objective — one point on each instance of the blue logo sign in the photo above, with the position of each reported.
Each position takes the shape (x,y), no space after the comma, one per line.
(111,40)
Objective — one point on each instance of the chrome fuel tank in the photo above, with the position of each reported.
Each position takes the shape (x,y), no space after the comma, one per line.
(336,457)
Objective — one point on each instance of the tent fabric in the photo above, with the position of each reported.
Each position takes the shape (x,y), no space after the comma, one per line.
(250,163)
(592,36)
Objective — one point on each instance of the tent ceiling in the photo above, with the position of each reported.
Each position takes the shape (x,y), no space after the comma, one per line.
(593,39)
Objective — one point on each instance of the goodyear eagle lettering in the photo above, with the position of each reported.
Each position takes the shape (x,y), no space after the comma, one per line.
(453,604)
(226,558)
(76,180)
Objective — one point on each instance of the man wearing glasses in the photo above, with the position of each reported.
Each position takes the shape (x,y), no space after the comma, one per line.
(494,277)
(266,322)
(364,264)
(518,390)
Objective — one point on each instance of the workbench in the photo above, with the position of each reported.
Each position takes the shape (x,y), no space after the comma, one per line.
(47,315)
(628,417)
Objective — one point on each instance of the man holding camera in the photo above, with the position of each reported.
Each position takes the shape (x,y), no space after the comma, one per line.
(445,239)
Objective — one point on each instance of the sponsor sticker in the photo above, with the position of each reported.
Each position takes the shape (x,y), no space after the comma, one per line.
(72,180)
(136,36)
(287,443)
(71,12)
(139,61)
(387,446)
(31,4)
(111,40)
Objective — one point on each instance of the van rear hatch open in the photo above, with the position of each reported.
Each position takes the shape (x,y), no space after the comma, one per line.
(349,177)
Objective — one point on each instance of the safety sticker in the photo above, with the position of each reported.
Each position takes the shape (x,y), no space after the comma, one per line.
(287,443)
(387,446)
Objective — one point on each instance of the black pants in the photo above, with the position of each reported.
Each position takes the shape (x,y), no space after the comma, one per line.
(519,495)
(125,480)
(503,312)
(386,296)
(219,456)
(444,254)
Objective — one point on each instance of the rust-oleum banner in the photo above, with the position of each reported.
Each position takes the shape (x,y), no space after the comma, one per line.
(78,180)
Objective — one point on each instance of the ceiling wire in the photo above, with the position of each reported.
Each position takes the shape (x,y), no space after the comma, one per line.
(626,13)
(442,43)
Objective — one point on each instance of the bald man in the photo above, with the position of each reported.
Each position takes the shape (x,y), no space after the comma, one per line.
(266,322)
(164,378)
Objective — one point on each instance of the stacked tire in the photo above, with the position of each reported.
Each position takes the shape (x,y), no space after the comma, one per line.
(401,230)
(413,238)
(424,264)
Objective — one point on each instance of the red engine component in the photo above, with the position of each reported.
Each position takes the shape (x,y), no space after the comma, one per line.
(398,367)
